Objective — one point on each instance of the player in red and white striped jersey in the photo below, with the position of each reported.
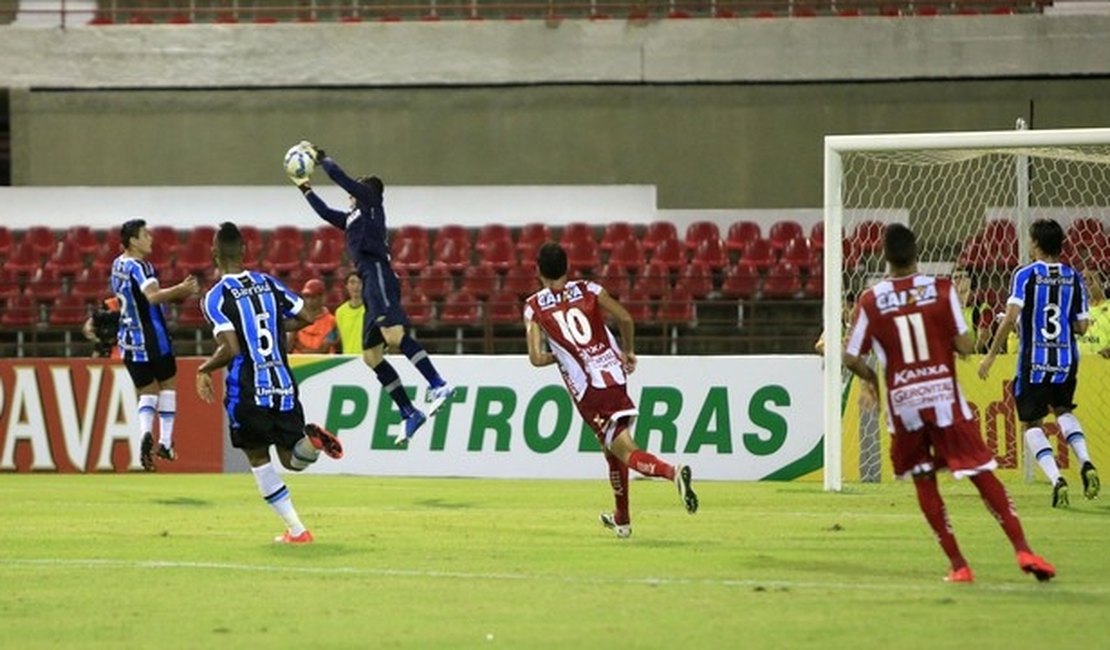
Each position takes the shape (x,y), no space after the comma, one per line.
(915,325)
(571,316)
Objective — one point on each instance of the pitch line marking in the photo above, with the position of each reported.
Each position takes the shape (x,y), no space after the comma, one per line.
(106,563)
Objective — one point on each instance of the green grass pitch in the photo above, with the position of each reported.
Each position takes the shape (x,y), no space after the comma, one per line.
(130,561)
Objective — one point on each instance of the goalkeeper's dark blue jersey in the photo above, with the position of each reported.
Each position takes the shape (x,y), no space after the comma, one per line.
(143,335)
(1052,298)
(367,239)
(254,306)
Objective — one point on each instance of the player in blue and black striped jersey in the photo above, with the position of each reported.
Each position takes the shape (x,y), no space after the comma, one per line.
(249,313)
(145,339)
(1048,306)
(385,322)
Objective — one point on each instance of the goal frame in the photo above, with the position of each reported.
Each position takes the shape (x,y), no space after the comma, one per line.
(835,147)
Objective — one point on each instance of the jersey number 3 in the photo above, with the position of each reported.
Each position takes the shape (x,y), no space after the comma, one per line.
(911,333)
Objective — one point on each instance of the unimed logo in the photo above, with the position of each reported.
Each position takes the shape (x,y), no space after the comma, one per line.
(501,419)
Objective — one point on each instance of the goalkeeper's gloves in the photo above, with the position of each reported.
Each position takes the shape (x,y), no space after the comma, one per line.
(302,183)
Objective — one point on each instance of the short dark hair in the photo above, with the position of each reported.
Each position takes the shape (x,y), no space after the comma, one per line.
(352,274)
(229,242)
(373,182)
(1048,235)
(552,261)
(899,245)
(130,230)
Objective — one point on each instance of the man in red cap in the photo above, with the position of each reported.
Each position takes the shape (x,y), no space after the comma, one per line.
(321,336)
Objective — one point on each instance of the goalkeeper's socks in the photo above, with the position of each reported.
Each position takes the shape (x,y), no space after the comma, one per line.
(167,410)
(1000,505)
(147,407)
(1042,451)
(618,480)
(419,358)
(391,381)
(650,465)
(932,506)
(275,493)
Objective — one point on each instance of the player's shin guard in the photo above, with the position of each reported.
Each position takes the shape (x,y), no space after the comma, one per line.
(1038,446)
(419,358)
(932,506)
(167,411)
(391,381)
(618,480)
(650,465)
(148,406)
(999,504)
(276,494)
(1073,434)
(304,453)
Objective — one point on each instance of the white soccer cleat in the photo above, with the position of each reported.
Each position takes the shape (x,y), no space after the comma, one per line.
(622,531)
(435,398)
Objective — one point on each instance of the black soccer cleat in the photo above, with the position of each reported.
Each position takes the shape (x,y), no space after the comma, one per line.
(682,478)
(1091,484)
(167,453)
(146,452)
(1060,493)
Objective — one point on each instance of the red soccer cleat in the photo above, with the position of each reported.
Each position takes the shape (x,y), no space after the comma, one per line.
(289,538)
(1037,565)
(962,574)
(324,440)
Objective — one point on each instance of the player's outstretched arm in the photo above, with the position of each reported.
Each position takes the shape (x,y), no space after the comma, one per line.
(342,178)
(155,295)
(536,354)
(1009,322)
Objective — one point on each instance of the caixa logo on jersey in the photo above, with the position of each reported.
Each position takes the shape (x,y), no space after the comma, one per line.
(893,300)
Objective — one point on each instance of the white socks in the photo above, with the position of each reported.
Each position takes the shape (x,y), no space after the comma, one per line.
(303,454)
(274,491)
(167,409)
(1073,433)
(147,407)
(1038,446)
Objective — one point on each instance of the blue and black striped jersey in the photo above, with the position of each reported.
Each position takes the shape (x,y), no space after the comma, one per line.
(1052,298)
(254,306)
(143,335)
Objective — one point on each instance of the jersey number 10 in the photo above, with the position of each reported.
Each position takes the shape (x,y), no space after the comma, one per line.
(575,325)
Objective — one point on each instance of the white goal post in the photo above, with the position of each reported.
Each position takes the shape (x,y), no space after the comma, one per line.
(945,185)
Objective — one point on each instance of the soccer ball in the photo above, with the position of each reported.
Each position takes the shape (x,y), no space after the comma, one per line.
(298,162)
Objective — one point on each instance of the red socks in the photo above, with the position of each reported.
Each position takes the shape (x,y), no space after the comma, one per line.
(999,504)
(649,465)
(618,479)
(932,506)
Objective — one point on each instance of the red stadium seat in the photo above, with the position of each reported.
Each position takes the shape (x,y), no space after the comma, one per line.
(322,232)
(654,281)
(616,233)
(522,279)
(783,231)
(712,253)
(40,239)
(867,236)
(203,235)
(434,281)
(410,254)
(22,260)
(90,286)
(700,231)
(418,308)
(628,253)
(658,232)
(798,253)
(452,232)
(324,256)
(196,257)
(66,259)
(697,278)
(189,313)
(758,255)
(784,280)
(531,237)
(9,287)
(490,233)
(19,311)
(671,253)
(480,280)
(577,232)
(1000,232)
(582,255)
(504,308)
(46,285)
(111,247)
(460,309)
(455,253)
(615,279)
(814,285)
(252,239)
(499,254)
(6,241)
(639,305)
(741,282)
(817,236)
(742,232)
(676,307)
(67,311)
(83,239)
(166,238)
(160,255)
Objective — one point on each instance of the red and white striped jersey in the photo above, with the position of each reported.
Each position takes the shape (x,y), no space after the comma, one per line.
(911,324)
(574,322)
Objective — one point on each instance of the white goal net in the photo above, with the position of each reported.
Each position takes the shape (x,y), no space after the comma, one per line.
(970,198)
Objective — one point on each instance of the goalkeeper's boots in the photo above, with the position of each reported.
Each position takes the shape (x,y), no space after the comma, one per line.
(1032,563)
(682,478)
(167,453)
(1091,483)
(623,531)
(324,440)
(962,574)
(437,396)
(289,538)
(146,452)
(413,422)
(1060,493)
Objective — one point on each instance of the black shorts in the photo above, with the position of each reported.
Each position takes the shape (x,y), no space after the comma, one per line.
(1034,401)
(381,291)
(254,427)
(144,373)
